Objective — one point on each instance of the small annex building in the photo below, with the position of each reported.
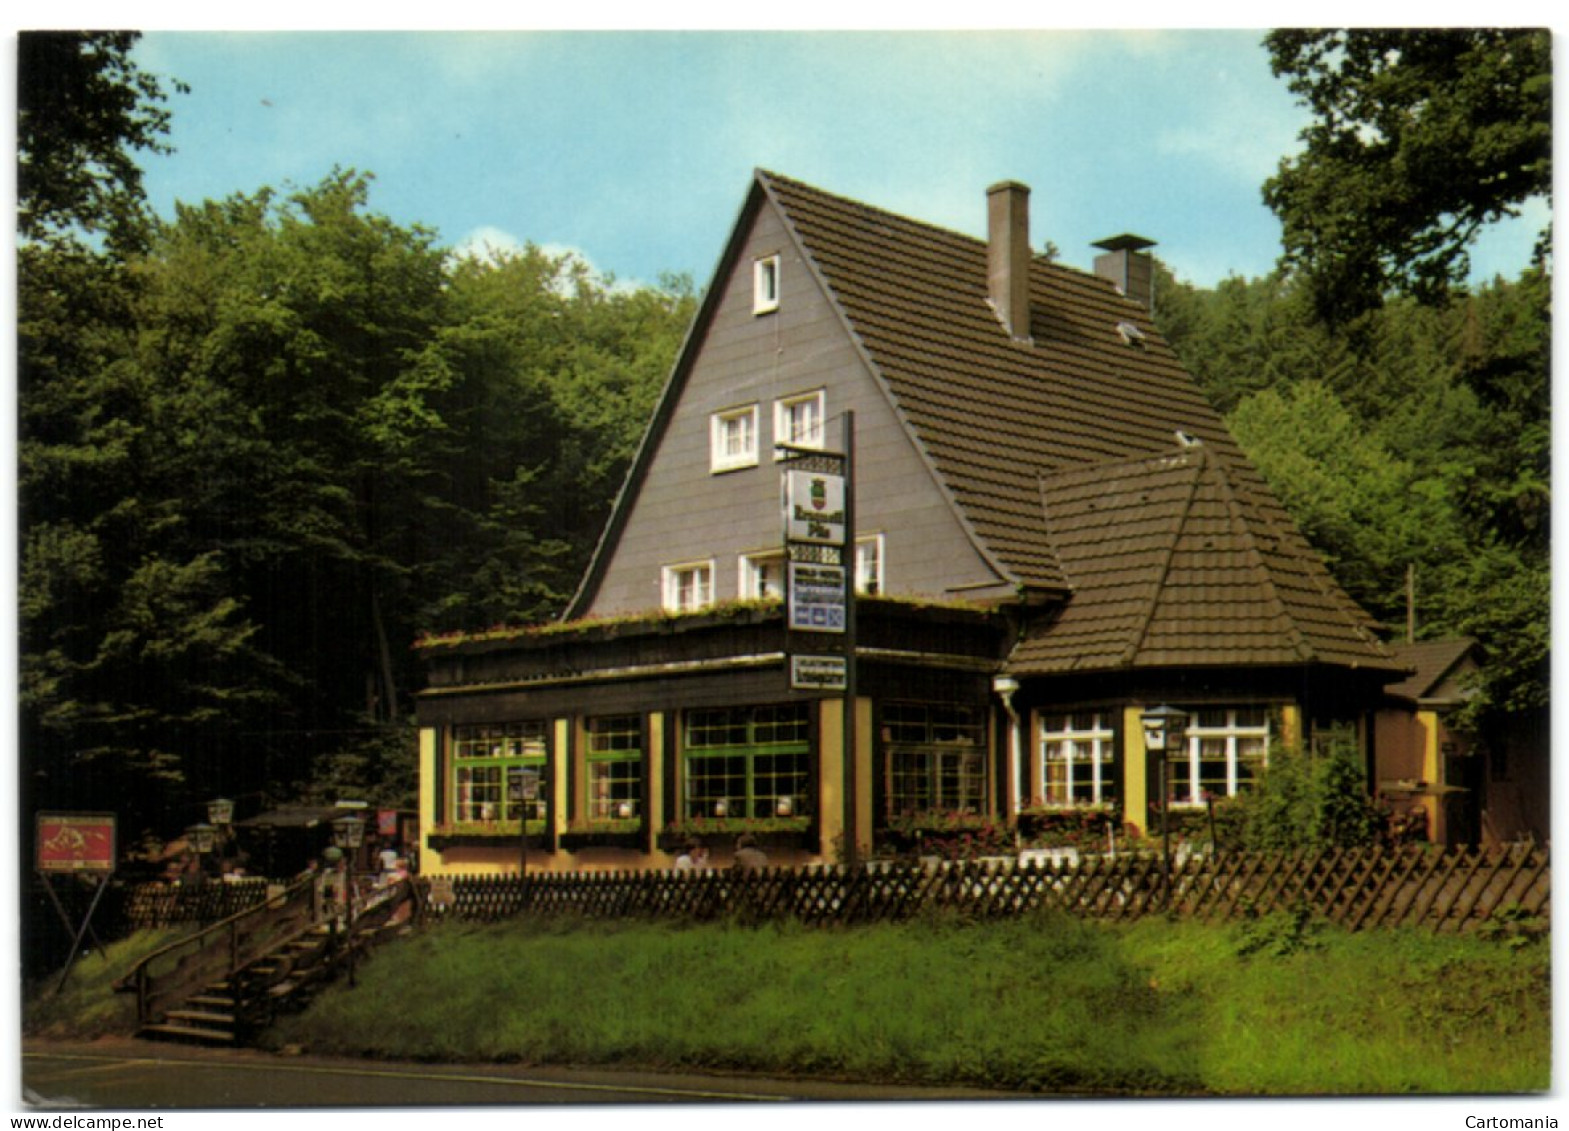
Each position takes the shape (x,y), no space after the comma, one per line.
(1050,530)
(1461,790)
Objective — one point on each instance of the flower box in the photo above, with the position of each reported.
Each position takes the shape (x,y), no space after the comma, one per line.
(781,833)
(621,834)
(481,834)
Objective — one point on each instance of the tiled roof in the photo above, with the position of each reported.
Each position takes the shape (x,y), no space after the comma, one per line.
(1432,661)
(1172,563)
(1008,423)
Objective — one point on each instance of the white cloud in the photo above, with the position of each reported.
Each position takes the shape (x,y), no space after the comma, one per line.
(486,241)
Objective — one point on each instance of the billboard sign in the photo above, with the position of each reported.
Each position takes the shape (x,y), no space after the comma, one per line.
(814,507)
(818,673)
(816,597)
(76,842)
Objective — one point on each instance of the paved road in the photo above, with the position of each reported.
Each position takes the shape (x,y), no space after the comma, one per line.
(139,1075)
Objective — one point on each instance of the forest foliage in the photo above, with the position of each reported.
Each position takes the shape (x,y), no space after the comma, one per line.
(267,442)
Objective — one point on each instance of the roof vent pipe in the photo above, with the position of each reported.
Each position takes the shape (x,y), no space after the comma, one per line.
(1008,255)
(1129,266)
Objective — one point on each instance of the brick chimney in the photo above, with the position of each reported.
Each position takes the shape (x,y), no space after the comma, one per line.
(1008,255)
(1129,266)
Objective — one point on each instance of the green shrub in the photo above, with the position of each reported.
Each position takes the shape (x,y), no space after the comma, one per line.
(87,1006)
(1308,800)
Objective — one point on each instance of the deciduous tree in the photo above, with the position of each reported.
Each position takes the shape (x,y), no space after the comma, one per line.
(1419,139)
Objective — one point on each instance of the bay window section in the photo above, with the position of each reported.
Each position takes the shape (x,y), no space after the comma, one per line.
(934,760)
(499,772)
(1226,747)
(615,768)
(747,762)
(1077,760)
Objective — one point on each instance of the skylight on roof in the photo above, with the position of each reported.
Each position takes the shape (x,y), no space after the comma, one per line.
(1131,334)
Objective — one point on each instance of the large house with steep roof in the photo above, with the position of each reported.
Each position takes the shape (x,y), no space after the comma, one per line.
(1048,530)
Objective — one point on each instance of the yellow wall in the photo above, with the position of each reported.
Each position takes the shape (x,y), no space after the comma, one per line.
(654,803)
(560,767)
(1406,748)
(830,770)
(1135,770)
(1291,726)
(429,771)
(863,777)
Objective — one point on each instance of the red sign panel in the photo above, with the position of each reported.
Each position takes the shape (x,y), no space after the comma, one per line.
(76,842)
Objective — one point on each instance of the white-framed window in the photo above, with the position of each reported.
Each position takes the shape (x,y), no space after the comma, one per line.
(733,438)
(688,586)
(869,565)
(1226,748)
(762,576)
(798,420)
(765,284)
(1077,751)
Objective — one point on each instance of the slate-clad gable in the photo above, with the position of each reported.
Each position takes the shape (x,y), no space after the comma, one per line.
(674,508)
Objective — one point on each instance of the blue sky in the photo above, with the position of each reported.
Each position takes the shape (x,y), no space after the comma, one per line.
(634,148)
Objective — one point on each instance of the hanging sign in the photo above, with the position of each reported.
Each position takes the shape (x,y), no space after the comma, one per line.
(814,507)
(76,842)
(818,673)
(816,597)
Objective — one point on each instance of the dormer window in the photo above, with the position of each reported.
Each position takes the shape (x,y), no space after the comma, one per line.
(733,439)
(798,421)
(765,285)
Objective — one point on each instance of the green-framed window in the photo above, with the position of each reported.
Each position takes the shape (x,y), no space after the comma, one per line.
(615,767)
(745,762)
(499,771)
(934,759)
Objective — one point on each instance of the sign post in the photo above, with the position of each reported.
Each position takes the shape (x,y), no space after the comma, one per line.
(76,844)
(818,490)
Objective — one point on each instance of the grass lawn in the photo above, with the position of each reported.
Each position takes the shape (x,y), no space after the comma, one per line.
(1053,1004)
(87,1006)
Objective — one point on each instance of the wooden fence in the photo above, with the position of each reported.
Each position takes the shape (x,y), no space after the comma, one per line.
(164,905)
(1446,890)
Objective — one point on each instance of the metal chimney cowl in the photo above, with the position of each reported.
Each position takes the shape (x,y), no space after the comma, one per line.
(1129,266)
